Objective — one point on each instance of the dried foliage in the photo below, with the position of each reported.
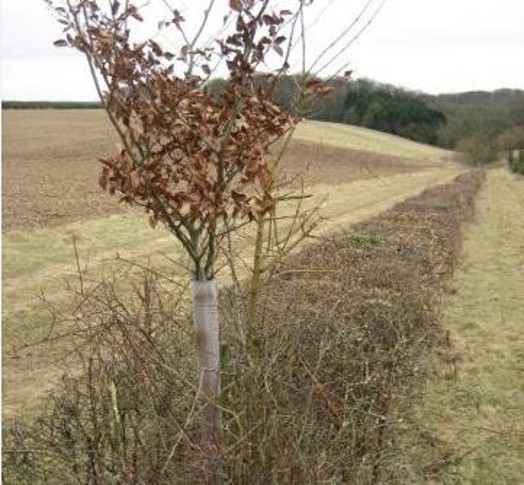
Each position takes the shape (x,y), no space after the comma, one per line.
(115,418)
(343,329)
(195,162)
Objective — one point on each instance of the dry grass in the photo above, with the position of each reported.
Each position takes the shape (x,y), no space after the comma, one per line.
(358,138)
(469,427)
(28,271)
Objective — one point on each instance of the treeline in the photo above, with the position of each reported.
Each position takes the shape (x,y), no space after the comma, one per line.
(512,143)
(364,103)
(478,113)
(51,105)
(392,110)
(454,121)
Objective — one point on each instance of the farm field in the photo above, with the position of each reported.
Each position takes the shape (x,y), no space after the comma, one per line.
(471,419)
(51,196)
(49,162)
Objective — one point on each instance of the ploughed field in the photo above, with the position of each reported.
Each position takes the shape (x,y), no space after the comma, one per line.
(50,168)
(50,197)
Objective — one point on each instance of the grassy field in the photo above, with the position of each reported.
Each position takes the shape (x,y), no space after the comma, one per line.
(359,138)
(471,420)
(51,198)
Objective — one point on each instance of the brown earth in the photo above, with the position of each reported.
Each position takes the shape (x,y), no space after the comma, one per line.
(324,164)
(50,171)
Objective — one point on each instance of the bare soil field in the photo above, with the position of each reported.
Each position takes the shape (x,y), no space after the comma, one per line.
(50,168)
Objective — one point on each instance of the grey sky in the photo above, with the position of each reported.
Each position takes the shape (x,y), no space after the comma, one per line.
(428,45)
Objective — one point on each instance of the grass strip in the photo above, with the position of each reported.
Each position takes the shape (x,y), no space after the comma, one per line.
(468,426)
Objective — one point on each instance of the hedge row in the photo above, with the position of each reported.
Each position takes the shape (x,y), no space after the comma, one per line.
(341,338)
(340,341)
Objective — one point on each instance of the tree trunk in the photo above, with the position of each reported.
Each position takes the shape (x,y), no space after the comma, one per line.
(207,334)
(254,284)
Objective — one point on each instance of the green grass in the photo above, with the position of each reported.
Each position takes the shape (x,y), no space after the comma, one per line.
(359,240)
(472,416)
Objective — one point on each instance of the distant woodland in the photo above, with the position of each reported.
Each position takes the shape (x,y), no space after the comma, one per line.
(446,120)
(470,113)
(51,105)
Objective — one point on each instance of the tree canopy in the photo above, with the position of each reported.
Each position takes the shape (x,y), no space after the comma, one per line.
(392,110)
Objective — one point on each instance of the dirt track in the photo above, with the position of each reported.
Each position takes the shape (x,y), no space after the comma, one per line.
(50,168)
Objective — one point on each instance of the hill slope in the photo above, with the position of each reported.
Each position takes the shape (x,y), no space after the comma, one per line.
(359,138)
(478,111)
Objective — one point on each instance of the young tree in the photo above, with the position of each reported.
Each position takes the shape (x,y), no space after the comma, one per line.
(195,162)
(480,149)
(510,141)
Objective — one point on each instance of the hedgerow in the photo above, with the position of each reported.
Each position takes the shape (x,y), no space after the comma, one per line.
(340,341)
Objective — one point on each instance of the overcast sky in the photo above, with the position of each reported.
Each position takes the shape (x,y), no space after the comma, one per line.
(435,46)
